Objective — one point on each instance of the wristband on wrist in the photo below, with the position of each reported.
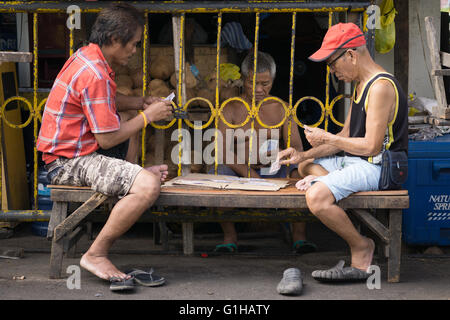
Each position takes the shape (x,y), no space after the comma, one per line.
(145,118)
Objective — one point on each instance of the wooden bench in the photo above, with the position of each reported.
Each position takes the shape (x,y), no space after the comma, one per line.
(65,229)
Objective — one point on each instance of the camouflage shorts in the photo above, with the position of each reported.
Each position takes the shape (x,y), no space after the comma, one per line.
(110,176)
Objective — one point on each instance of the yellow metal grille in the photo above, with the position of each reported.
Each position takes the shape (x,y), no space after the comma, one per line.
(48,7)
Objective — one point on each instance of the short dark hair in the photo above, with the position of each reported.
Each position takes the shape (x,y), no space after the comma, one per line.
(265,63)
(118,21)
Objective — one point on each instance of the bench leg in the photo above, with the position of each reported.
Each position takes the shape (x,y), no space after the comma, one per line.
(188,238)
(164,236)
(382,247)
(59,213)
(66,227)
(56,258)
(395,245)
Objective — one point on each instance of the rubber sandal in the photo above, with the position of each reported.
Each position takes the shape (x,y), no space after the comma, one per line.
(228,247)
(304,246)
(119,284)
(340,274)
(147,279)
(292,282)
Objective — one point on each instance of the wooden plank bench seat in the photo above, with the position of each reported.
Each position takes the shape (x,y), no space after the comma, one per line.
(64,229)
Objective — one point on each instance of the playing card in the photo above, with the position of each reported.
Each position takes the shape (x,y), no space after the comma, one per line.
(170,96)
(275,166)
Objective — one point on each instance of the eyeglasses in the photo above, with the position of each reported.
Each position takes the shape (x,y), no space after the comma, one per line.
(331,64)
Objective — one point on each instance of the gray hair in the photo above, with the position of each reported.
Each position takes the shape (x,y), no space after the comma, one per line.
(265,63)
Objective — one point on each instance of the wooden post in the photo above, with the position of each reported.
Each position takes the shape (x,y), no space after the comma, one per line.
(401,49)
(395,244)
(178,46)
(442,110)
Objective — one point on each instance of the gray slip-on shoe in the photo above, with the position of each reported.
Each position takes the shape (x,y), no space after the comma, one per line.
(339,273)
(292,282)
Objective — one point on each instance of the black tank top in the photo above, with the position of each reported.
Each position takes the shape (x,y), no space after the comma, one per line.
(396,137)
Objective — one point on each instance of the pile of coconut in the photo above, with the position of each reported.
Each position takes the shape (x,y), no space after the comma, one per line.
(162,80)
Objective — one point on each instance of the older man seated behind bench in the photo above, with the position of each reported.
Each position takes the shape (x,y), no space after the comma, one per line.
(265,142)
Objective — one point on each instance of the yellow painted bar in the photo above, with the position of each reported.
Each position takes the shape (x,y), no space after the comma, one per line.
(217,102)
(7,8)
(144,81)
(35,105)
(291,84)
(71,41)
(327,79)
(252,114)
(181,66)
(1,162)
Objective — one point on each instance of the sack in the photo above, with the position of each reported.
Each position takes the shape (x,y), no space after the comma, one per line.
(385,36)
(394,170)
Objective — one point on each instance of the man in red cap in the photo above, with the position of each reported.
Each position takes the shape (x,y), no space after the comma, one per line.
(377,121)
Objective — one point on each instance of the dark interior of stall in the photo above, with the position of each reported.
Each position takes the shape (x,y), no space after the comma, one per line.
(274,38)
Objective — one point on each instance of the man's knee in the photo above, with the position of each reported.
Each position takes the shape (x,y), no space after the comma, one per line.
(318,198)
(147,186)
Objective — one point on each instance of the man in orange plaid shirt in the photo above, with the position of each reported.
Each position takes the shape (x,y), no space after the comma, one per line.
(81,117)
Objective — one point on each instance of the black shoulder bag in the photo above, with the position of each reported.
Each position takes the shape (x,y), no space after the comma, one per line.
(394,170)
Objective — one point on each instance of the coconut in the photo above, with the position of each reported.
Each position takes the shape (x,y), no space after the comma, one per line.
(161,67)
(158,88)
(125,90)
(190,80)
(207,94)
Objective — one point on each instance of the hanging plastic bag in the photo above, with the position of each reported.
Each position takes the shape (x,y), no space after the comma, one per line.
(229,71)
(385,37)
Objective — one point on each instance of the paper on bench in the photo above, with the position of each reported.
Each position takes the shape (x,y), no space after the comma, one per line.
(228,182)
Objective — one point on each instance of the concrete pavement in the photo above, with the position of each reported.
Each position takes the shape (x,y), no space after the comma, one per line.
(252,274)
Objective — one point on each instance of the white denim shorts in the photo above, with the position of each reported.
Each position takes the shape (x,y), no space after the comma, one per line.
(348,175)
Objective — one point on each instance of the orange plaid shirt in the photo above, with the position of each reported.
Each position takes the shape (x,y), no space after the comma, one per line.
(81,103)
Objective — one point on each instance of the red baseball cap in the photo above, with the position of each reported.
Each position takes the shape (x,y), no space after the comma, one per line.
(341,35)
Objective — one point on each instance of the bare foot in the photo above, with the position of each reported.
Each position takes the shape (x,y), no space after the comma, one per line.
(160,170)
(101,267)
(305,183)
(362,258)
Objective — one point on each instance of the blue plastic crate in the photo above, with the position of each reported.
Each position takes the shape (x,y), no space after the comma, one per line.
(39,228)
(427,221)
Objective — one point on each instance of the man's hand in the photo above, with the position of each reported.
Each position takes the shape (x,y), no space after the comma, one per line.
(149,100)
(316,136)
(159,110)
(293,156)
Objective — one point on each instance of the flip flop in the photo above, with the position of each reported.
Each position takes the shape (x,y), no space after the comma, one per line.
(147,279)
(119,284)
(304,246)
(340,274)
(227,247)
